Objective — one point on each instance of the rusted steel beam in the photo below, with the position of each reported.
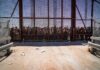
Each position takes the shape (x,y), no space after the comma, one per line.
(61,15)
(21,17)
(48,17)
(73,15)
(43,18)
(34,13)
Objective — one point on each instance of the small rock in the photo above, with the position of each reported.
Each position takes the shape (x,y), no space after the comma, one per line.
(10,63)
(22,54)
(37,48)
(42,51)
(13,51)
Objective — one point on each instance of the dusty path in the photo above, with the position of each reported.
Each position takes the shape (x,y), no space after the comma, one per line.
(50,58)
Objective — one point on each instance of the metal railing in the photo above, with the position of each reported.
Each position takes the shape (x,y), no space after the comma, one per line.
(95,39)
(5,38)
(96,28)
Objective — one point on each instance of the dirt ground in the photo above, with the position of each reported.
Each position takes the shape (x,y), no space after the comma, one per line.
(50,58)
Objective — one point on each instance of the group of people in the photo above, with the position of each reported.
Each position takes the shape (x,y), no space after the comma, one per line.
(51,33)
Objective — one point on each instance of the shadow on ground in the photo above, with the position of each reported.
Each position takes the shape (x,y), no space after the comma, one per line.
(2,58)
(26,43)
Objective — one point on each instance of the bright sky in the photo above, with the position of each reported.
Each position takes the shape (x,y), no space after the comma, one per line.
(6,8)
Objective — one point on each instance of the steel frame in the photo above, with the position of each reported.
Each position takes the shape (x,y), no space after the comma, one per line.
(72,18)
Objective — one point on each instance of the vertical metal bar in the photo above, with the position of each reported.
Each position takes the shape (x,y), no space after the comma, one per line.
(92,11)
(21,17)
(33,19)
(55,14)
(86,5)
(54,20)
(73,16)
(33,12)
(61,16)
(48,17)
(48,20)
